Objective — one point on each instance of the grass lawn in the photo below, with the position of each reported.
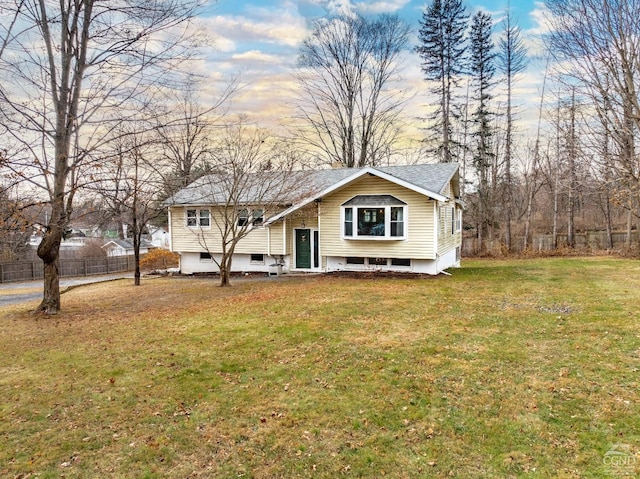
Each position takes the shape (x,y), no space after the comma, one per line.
(523,368)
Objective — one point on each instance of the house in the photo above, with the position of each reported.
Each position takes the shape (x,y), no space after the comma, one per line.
(396,218)
(118,247)
(158,237)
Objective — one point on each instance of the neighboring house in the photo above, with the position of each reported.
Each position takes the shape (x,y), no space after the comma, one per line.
(397,218)
(118,247)
(72,243)
(159,237)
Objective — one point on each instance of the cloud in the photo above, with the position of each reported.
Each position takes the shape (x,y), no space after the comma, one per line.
(346,7)
(539,18)
(388,6)
(277,28)
(256,57)
(330,7)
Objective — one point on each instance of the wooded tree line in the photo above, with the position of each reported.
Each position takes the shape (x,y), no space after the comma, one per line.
(98,105)
(579,170)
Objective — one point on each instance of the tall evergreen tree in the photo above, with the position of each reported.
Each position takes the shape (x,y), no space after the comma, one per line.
(482,68)
(442,51)
(511,59)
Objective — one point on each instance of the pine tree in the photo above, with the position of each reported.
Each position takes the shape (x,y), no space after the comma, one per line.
(511,59)
(482,69)
(442,51)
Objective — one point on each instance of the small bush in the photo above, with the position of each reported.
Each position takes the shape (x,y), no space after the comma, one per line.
(159,259)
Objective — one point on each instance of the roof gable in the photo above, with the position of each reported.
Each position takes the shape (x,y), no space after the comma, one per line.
(374,200)
(429,180)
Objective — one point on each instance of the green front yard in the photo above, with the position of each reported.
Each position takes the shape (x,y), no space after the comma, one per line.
(523,368)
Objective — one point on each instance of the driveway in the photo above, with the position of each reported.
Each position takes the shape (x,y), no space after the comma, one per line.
(26,291)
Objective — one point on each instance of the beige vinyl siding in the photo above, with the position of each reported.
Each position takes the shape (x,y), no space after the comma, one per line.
(420,223)
(276,237)
(196,239)
(447,239)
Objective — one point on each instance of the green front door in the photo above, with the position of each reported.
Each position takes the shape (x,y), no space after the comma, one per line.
(303,248)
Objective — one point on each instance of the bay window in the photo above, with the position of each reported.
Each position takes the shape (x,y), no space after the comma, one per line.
(376,217)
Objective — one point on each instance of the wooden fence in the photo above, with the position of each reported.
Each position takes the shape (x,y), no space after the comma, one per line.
(30,270)
(596,240)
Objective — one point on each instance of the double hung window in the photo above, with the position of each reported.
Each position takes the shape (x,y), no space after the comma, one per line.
(199,218)
(250,218)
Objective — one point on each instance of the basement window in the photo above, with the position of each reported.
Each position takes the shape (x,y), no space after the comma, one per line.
(400,262)
(355,260)
(377,261)
(257,258)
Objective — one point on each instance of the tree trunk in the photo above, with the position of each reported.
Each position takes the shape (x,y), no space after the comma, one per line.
(638,222)
(225,273)
(527,223)
(555,212)
(607,217)
(137,229)
(571,206)
(629,228)
(507,167)
(136,260)
(49,252)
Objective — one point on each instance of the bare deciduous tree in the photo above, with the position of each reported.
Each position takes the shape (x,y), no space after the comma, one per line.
(131,183)
(70,72)
(252,177)
(184,133)
(598,43)
(348,66)
(19,215)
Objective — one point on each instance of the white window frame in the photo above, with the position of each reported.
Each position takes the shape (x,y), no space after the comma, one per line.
(453,220)
(457,214)
(243,217)
(387,223)
(247,218)
(442,221)
(257,218)
(198,217)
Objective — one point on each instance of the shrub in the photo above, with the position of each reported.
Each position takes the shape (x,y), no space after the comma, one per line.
(159,259)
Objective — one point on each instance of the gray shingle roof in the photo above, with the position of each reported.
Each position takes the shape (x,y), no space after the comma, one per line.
(128,244)
(212,189)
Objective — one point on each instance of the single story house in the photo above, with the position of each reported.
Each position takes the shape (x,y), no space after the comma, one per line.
(395,218)
(119,247)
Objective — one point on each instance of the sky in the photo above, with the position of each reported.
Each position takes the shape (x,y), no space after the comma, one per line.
(256,42)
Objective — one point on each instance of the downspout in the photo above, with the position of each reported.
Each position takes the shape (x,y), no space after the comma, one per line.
(170,226)
(284,239)
(436,233)
(436,229)
(319,235)
(269,240)
(170,230)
